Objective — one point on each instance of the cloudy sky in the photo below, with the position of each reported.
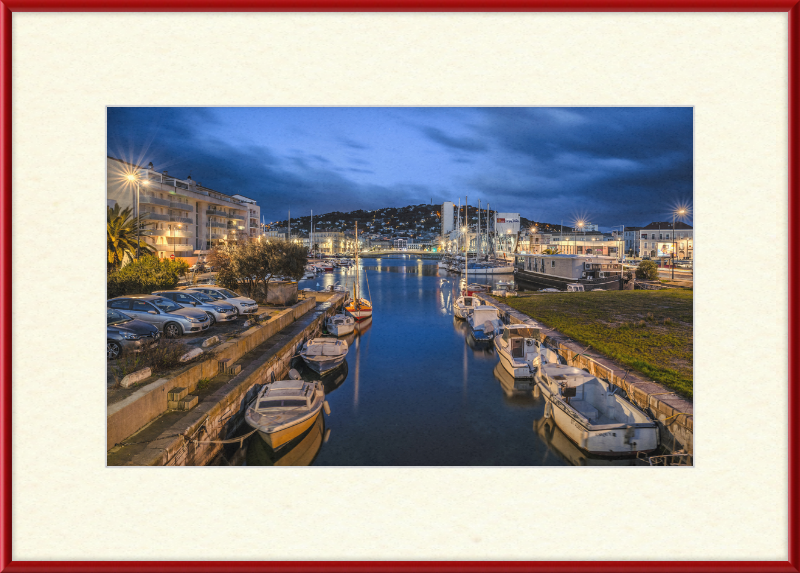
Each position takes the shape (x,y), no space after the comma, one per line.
(610,166)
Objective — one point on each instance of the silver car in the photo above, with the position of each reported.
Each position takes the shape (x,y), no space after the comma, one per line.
(216,310)
(170,318)
(242,304)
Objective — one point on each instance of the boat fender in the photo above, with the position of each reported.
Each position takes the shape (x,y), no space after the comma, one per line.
(294,374)
(326,407)
(536,392)
(548,409)
(584,439)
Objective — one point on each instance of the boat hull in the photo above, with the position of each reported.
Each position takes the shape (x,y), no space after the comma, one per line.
(341,329)
(509,270)
(461,311)
(542,280)
(599,440)
(323,365)
(277,439)
(518,372)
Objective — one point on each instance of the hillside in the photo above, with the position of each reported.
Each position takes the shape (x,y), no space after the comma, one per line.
(410,221)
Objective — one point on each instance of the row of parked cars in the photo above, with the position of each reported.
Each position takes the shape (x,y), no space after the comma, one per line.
(136,321)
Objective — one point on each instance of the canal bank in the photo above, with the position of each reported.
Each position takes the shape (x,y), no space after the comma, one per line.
(673,413)
(191,437)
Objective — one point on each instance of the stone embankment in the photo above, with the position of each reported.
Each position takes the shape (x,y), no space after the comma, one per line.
(673,413)
(187,440)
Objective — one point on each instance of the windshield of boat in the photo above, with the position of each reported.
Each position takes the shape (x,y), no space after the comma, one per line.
(281,403)
(116,317)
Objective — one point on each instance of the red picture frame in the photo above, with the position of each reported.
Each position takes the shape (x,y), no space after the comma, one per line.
(9,6)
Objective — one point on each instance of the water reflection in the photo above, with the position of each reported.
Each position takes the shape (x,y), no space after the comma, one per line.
(561,445)
(300,452)
(518,391)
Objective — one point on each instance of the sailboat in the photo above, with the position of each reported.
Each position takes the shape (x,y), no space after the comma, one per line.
(358,308)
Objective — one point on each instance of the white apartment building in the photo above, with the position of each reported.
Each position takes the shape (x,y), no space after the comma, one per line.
(182,218)
(658,240)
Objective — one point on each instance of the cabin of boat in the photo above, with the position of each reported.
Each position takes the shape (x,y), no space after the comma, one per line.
(340,324)
(519,350)
(483,322)
(284,410)
(463,306)
(557,271)
(592,413)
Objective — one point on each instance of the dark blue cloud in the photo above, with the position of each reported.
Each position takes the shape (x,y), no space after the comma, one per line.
(610,165)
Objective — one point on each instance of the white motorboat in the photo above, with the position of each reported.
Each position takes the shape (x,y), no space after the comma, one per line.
(324,354)
(519,350)
(284,410)
(340,324)
(593,414)
(505,288)
(463,306)
(483,323)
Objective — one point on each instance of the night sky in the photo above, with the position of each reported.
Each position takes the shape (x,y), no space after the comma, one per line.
(608,166)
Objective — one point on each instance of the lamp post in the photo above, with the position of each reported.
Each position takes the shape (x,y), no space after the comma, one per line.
(134,179)
(680,212)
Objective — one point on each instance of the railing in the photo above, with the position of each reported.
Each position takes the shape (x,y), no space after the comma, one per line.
(199,189)
(235,227)
(217,236)
(148,200)
(218,225)
(239,217)
(176,219)
(154,216)
(182,206)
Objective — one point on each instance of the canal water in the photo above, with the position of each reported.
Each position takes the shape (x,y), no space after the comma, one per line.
(413,391)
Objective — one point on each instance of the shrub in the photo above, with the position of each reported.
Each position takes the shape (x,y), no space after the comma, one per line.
(667,320)
(647,270)
(145,276)
(163,356)
(650,317)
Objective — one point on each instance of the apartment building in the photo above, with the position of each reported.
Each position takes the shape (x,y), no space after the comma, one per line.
(658,240)
(182,217)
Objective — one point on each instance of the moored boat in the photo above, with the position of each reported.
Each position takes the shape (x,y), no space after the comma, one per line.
(463,305)
(359,308)
(559,271)
(519,350)
(324,354)
(284,410)
(340,324)
(593,414)
(483,322)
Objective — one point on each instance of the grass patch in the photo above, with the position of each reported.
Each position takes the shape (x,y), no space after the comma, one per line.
(163,356)
(649,331)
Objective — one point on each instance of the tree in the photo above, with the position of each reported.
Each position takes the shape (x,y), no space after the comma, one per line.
(144,276)
(647,270)
(122,237)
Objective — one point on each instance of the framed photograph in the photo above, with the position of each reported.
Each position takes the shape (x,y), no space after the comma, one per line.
(422,148)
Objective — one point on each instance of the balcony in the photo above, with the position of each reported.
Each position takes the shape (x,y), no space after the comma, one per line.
(166,233)
(181,206)
(148,200)
(176,219)
(150,216)
(218,225)
(235,227)
(237,217)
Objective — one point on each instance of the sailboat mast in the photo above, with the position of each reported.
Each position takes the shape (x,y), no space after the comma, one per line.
(355,302)
(478,234)
(466,240)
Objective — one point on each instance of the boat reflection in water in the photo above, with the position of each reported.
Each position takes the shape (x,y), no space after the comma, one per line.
(569,452)
(517,390)
(335,378)
(302,451)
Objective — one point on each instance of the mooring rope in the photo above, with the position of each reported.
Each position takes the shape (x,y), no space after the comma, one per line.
(240,439)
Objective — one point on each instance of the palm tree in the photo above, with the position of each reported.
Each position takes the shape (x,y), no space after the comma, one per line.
(121,234)
(550,251)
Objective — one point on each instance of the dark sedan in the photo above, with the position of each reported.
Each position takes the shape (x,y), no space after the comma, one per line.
(126,334)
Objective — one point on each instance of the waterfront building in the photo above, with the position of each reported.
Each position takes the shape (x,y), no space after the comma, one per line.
(182,218)
(658,239)
(448,215)
(329,242)
(631,238)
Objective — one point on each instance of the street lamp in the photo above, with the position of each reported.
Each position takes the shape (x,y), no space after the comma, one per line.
(134,179)
(172,234)
(681,212)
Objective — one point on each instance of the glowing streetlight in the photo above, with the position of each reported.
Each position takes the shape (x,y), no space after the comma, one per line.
(678,212)
(133,178)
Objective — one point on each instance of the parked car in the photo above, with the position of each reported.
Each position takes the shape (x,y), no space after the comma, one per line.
(243,304)
(216,310)
(126,334)
(170,318)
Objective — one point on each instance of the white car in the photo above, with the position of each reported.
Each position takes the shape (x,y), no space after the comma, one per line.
(242,304)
